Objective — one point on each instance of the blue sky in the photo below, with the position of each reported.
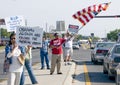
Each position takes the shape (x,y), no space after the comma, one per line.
(40,12)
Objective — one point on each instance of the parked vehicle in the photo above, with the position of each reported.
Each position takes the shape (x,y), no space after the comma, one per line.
(117,77)
(99,51)
(79,43)
(76,45)
(111,61)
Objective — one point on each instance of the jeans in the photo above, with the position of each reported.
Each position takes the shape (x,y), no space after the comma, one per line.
(22,80)
(28,65)
(44,56)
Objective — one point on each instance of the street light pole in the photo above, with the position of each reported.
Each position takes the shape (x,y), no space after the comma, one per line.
(111,16)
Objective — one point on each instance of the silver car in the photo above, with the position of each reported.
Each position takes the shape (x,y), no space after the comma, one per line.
(99,51)
(111,61)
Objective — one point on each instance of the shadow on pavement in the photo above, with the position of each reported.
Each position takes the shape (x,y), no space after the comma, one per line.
(96,77)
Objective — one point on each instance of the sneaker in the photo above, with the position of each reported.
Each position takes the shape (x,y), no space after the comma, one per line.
(51,73)
(35,83)
(65,63)
(48,68)
(69,63)
(59,73)
(42,68)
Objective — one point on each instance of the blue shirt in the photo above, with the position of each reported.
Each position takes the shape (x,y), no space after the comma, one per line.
(44,47)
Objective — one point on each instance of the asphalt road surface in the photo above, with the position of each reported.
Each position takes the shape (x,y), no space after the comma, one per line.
(82,57)
(95,72)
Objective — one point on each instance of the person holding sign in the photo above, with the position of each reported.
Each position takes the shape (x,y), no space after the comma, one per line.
(44,53)
(12,52)
(56,46)
(68,48)
(28,65)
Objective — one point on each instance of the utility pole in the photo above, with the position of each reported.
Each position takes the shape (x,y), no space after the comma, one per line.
(46,27)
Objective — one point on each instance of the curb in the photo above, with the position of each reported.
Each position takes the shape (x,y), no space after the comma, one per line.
(69,78)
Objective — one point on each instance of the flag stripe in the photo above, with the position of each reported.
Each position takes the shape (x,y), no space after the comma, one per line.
(78,13)
(82,21)
(74,16)
(86,18)
(86,14)
(91,16)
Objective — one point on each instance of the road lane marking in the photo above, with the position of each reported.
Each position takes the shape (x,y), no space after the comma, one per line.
(87,79)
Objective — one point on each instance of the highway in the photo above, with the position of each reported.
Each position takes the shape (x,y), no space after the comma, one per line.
(93,73)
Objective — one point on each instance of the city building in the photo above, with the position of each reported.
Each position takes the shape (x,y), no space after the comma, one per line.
(60,26)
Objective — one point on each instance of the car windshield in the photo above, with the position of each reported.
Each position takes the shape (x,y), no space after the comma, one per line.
(106,45)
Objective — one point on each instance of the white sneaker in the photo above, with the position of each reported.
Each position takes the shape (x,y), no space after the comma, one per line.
(65,63)
(69,63)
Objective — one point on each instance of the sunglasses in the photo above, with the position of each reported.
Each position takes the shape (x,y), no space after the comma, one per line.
(13,38)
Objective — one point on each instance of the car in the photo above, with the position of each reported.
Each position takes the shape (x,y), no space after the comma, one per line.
(111,61)
(117,77)
(99,50)
(79,43)
(75,45)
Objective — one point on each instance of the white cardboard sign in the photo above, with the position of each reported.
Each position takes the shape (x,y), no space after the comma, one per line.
(29,36)
(14,21)
(73,28)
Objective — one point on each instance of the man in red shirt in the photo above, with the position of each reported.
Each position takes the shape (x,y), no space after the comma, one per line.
(56,46)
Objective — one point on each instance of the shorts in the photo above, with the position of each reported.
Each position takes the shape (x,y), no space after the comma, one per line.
(68,51)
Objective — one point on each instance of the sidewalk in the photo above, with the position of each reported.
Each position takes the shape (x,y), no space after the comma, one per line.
(1,50)
(44,77)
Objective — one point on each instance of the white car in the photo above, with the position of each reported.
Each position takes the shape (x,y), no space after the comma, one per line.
(76,45)
(99,51)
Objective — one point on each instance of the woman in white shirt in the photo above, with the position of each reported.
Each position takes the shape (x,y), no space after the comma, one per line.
(15,68)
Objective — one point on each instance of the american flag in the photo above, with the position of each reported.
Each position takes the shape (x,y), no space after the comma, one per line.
(86,14)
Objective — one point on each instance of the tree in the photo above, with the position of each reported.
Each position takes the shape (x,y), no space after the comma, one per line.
(113,35)
(4,33)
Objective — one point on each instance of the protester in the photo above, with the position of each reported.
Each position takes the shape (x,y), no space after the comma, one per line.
(90,41)
(68,48)
(63,47)
(56,46)
(12,52)
(44,53)
(28,65)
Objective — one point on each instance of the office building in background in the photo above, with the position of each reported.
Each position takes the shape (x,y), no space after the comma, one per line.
(60,26)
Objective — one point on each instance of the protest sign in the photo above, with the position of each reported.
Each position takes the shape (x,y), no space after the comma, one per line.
(29,36)
(14,21)
(73,28)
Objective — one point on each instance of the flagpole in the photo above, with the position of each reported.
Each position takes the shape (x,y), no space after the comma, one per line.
(79,29)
